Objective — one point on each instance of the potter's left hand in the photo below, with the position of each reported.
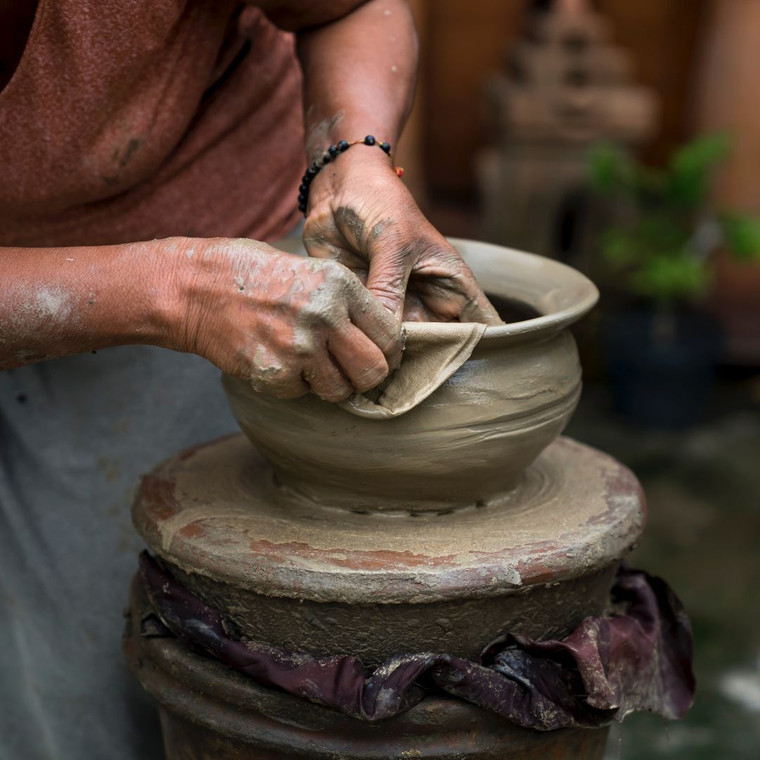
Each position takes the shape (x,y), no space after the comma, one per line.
(361,214)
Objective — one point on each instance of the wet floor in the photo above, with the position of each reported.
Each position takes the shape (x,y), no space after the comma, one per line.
(703,536)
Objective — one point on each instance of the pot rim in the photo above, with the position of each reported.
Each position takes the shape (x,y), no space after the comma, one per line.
(569,284)
(585,297)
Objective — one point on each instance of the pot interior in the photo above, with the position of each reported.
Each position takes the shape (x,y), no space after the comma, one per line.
(512,310)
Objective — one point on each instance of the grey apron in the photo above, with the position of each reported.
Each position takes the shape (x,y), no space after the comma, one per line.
(75,435)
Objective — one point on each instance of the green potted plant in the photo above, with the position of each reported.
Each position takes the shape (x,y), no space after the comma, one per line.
(660,249)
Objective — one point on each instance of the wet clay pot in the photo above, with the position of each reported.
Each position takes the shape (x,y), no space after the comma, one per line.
(466,444)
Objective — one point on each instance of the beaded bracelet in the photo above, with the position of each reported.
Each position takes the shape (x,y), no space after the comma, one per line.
(333,152)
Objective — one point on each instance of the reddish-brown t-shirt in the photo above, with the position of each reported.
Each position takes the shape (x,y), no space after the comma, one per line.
(138,119)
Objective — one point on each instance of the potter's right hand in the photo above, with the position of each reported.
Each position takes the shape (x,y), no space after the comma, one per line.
(286,323)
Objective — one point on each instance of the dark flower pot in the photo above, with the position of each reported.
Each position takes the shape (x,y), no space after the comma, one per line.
(662,380)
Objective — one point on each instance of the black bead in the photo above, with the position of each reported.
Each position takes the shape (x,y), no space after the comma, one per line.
(343,145)
(326,158)
(386,147)
(333,150)
(315,167)
(369,140)
(303,187)
(309,174)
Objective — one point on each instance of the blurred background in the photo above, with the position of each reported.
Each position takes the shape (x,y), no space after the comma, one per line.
(623,137)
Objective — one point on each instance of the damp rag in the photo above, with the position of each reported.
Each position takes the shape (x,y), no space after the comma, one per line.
(638,657)
(433,352)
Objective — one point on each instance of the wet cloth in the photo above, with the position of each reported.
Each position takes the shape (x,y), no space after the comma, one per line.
(638,657)
(433,352)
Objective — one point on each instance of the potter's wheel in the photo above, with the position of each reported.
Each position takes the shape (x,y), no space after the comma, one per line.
(303,576)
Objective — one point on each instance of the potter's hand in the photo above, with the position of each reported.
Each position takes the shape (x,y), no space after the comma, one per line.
(361,214)
(288,324)
(358,77)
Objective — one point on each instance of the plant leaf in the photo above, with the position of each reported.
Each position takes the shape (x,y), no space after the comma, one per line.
(691,166)
(610,168)
(742,236)
(673,277)
(619,248)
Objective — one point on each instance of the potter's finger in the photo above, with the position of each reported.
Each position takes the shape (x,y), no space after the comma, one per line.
(479,309)
(283,386)
(416,311)
(378,324)
(456,296)
(389,271)
(362,362)
(447,285)
(327,381)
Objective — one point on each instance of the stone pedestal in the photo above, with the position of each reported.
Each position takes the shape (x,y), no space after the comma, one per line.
(329,581)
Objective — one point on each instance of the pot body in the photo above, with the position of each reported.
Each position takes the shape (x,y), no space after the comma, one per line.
(466,444)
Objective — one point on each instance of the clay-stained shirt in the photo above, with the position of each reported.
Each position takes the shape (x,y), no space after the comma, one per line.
(139,119)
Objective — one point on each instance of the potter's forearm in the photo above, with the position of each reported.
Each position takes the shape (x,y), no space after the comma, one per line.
(359,75)
(61,301)
(285,323)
